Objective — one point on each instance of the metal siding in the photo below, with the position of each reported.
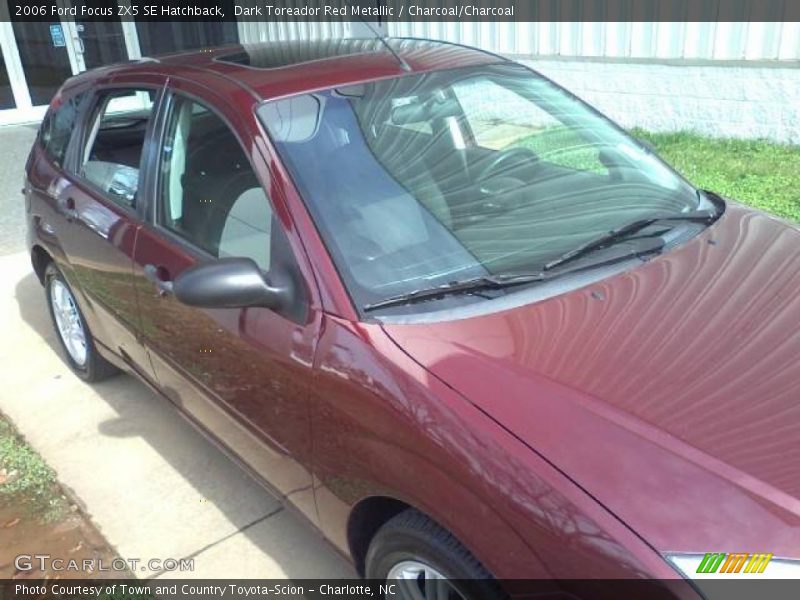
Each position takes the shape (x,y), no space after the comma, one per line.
(703,40)
(257,31)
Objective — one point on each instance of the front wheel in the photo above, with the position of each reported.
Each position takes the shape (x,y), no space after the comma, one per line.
(424,561)
(73,333)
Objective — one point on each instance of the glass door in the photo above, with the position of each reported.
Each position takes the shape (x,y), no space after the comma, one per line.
(39,56)
(98,43)
(44,57)
(6,93)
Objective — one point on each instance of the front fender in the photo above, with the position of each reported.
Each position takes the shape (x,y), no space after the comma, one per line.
(383,426)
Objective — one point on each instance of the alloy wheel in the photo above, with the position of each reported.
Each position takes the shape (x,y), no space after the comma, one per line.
(68,322)
(415,580)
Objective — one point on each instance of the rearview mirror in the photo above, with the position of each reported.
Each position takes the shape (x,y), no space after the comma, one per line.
(231,283)
(418,112)
(647,144)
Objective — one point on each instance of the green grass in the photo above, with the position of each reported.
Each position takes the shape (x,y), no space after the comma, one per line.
(29,483)
(759,173)
(562,146)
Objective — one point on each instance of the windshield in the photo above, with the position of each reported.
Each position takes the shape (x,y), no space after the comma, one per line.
(431,178)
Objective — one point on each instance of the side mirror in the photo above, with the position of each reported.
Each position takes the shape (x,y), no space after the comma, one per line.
(231,283)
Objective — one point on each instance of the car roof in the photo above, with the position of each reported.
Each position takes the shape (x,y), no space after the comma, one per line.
(276,69)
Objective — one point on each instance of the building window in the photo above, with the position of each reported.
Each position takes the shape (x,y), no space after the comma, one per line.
(162,37)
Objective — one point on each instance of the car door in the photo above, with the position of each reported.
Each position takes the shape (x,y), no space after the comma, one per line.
(241,373)
(99,200)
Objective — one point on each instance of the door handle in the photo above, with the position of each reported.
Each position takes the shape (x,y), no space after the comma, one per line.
(69,210)
(160,277)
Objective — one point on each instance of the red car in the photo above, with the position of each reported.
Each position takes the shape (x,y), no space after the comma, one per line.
(459,320)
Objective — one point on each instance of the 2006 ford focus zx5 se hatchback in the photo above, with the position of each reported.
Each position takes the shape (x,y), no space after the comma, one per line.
(459,320)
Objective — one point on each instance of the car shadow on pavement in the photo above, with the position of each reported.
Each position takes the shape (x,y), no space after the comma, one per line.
(179,481)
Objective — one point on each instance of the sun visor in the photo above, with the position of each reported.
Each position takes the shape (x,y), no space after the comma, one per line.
(294,119)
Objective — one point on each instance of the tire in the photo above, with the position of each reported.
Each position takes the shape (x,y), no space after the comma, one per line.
(89,366)
(411,538)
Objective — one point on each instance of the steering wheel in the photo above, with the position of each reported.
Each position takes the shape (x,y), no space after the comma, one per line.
(507,157)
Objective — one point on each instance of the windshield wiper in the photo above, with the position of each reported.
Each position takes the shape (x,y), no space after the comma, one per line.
(625,231)
(496,282)
(645,247)
(484,282)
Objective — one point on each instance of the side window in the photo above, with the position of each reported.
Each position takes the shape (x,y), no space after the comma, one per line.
(57,128)
(209,194)
(500,119)
(112,153)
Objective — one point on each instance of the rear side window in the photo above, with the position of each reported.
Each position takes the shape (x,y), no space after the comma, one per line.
(112,153)
(57,128)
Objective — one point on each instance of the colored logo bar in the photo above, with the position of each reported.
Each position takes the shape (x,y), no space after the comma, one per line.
(741,562)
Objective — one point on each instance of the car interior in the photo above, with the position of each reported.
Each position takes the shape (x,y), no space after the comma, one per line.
(210,194)
(212,197)
(407,181)
(411,193)
(113,150)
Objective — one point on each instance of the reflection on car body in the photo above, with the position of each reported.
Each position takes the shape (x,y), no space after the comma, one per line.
(464,324)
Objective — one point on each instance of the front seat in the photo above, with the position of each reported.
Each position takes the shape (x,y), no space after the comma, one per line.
(247,229)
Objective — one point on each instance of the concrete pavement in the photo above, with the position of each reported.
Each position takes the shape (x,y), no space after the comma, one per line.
(152,485)
(15,143)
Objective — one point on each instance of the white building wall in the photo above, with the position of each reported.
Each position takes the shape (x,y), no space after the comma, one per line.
(717,100)
(720,79)
(655,40)
(259,31)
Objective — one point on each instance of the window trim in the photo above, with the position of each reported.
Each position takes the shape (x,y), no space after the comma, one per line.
(152,216)
(306,289)
(79,140)
(64,166)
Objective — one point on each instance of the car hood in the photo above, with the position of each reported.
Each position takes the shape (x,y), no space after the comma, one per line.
(670,392)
